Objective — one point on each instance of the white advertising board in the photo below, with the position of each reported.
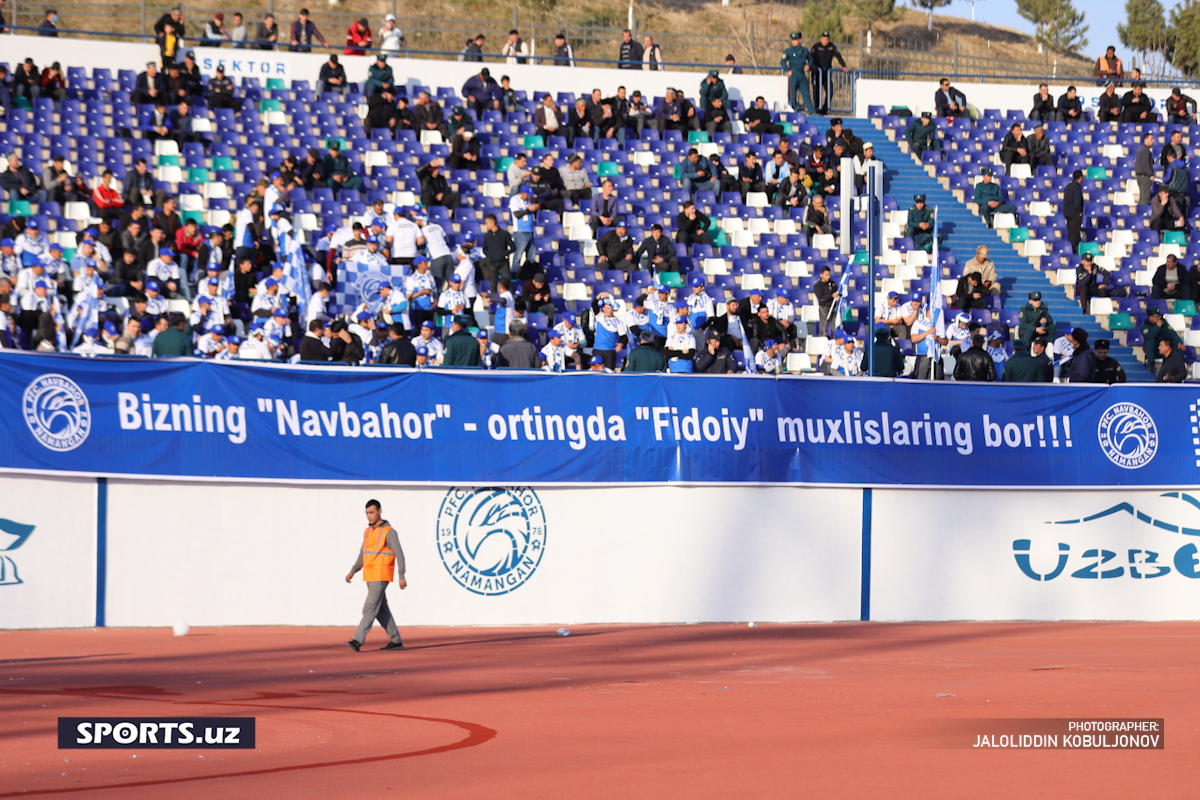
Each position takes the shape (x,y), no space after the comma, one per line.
(47,553)
(263,64)
(245,555)
(918,95)
(974,555)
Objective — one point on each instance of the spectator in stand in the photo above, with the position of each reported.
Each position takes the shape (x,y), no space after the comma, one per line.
(55,180)
(1081,368)
(237,32)
(919,225)
(861,163)
(428,115)
(1181,110)
(523,207)
(714,358)
(1044,108)
(473,50)
(515,50)
(750,176)
(537,295)
(1038,145)
(1174,146)
(604,207)
(1143,169)
(1154,332)
(989,198)
(716,118)
(168,45)
(1165,213)
(518,173)
(465,151)
(646,357)
(792,193)
(1170,281)
(53,83)
(652,60)
(48,26)
(921,135)
(986,269)
(27,81)
(266,35)
(692,226)
(732,65)
(1070,107)
(179,88)
(518,352)
(19,181)
(888,361)
(1174,368)
(775,175)
(669,114)
(1137,106)
(379,75)
(358,38)
(576,183)
(150,86)
(548,119)
(337,169)
(1176,178)
(482,93)
(657,252)
(1108,371)
(220,91)
(303,32)
(1109,105)
(1072,208)
(1093,281)
(106,199)
(215,31)
(974,364)
(564,55)
(1013,149)
(1108,67)
(970,292)
(823,53)
(713,88)
(332,77)
(758,119)
(696,174)
(630,55)
(6,87)
(948,101)
(816,219)
(606,124)
(391,38)
(615,249)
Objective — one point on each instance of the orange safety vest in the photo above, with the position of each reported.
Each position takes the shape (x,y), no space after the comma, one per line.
(379,562)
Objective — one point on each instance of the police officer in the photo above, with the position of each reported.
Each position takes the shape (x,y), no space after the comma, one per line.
(379,559)
(920,224)
(1154,331)
(796,63)
(823,53)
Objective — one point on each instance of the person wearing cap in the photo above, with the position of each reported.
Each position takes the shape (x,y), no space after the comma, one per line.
(888,361)
(919,226)
(1181,110)
(796,64)
(769,360)
(398,349)
(10,262)
(1044,108)
(156,304)
(823,53)
(91,344)
(453,300)
(332,77)
(358,38)
(573,338)
(466,255)
(680,341)
(645,357)
(149,86)
(989,198)
(564,54)
(554,354)
(898,316)
(713,88)
(1081,367)
(949,101)
(862,163)
(926,344)
(597,365)
(700,304)
(696,174)
(1108,67)
(221,91)
(986,269)
(172,341)
(1137,106)
(1093,281)
(997,350)
(611,333)
(713,357)
(211,343)
(958,334)
(482,92)
(1022,367)
(215,31)
(1108,370)
(523,207)
(425,338)
(391,38)
(921,134)
(1154,331)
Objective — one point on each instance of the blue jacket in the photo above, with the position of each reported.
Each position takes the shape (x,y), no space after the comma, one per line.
(476,89)
(691,171)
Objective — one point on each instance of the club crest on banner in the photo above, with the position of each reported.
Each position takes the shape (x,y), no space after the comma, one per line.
(1127,435)
(57,412)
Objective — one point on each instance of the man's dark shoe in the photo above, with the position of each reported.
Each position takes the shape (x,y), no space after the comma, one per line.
(393,646)
(354,645)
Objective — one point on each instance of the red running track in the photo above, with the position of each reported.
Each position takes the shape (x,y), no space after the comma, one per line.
(841,710)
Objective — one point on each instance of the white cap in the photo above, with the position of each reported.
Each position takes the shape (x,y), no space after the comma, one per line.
(868,146)
(390,18)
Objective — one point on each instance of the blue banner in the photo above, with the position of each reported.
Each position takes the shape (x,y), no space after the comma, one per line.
(241,421)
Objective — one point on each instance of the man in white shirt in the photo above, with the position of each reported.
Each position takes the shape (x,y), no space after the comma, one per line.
(30,241)
(402,237)
(203,317)
(255,348)
(166,271)
(211,343)
(419,289)
(426,339)
(680,341)
(700,305)
(767,359)
(267,300)
(466,255)
(441,260)
(453,300)
(890,312)
(554,353)
(276,194)
(89,345)
(573,338)
(318,305)
(371,257)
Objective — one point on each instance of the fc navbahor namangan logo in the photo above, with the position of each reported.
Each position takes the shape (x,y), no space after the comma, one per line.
(57,413)
(491,540)
(1127,435)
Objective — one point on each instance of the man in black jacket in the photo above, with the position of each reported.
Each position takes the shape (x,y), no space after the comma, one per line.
(630,54)
(615,249)
(399,349)
(435,191)
(311,346)
(659,252)
(497,247)
(381,110)
(1082,366)
(1070,107)
(974,364)
(691,225)
(762,326)
(1108,371)
(150,86)
(1137,106)
(1044,108)
(1072,208)
(1173,369)
(758,119)
(714,358)
(1110,105)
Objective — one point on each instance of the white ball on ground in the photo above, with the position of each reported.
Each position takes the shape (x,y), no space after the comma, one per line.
(182,628)
(563,632)
(751,624)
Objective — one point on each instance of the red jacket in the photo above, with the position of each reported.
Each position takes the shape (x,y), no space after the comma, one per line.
(188,246)
(107,197)
(357,37)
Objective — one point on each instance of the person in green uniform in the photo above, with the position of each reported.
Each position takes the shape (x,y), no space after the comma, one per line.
(1035,321)
(1022,367)
(989,198)
(1154,331)
(796,64)
(921,135)
(920,224)
(645,358)
(172,342)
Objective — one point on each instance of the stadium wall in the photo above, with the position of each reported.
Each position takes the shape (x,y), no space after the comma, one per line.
(918,95)
(143,553)
(263,64)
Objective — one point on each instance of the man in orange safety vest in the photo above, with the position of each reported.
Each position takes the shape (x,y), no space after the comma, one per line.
(379,559)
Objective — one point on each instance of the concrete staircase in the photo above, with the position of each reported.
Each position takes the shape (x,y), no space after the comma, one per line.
(962,232)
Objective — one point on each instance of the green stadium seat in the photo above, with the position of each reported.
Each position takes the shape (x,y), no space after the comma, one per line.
(270,104)
(197,175)
(609,169)
(341,142)
(1175,237)
(534,141)
(223,164)
(166,161)
(1185,307)
(196,215)
(672,279)
(1018,235)
(1097,174)
(860,257)
(275,83)
(1090,247)
(1120,322)
(19,208)
(697,137)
